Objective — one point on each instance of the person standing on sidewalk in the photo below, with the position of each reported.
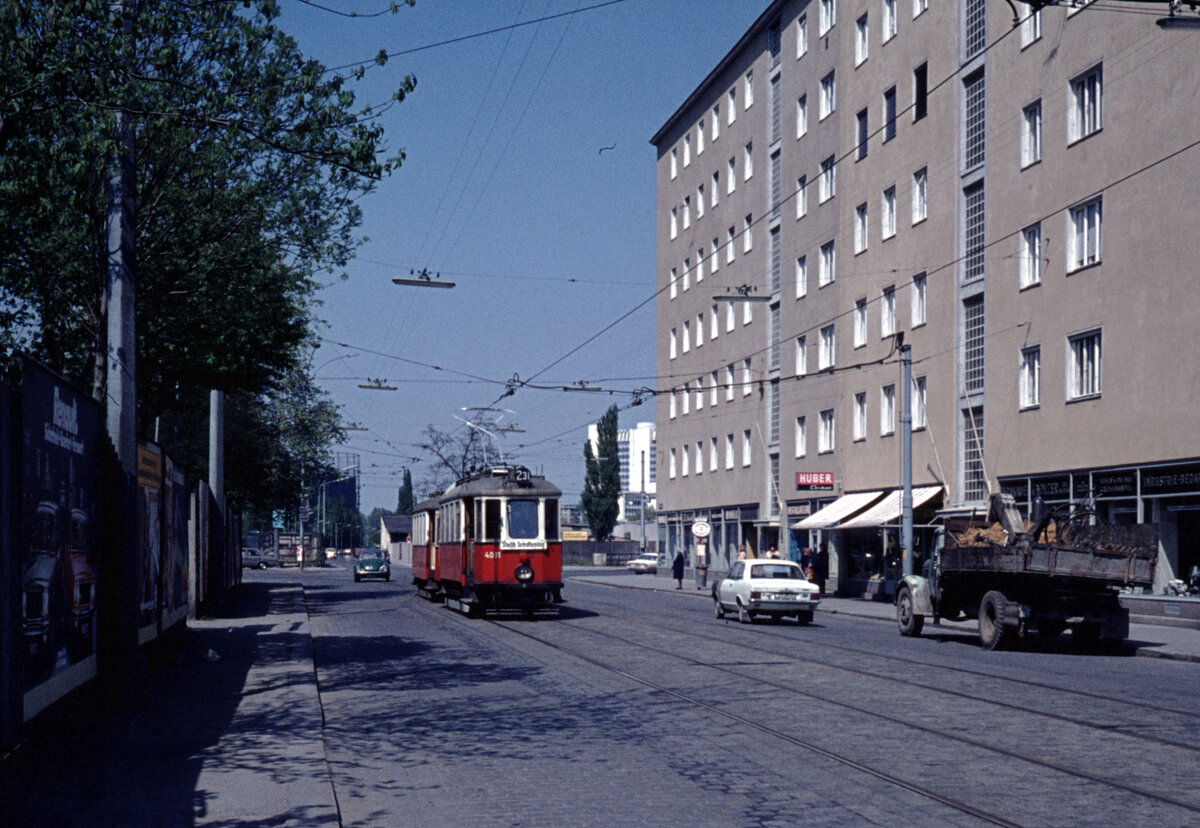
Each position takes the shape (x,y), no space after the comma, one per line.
(677,570)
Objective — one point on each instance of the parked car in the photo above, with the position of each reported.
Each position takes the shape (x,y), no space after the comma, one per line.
(371,563)
(259,558)
(762,586)
(643,563)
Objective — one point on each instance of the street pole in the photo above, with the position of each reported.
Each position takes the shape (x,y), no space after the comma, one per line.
(642,502)
(906,505)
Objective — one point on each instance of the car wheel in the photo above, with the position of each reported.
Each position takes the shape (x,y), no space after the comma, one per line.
(387,577)
(744,615)
(804,619)
(357,577)
(909,622)
(720,609)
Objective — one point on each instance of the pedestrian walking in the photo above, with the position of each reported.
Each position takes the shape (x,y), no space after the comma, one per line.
(808,563)
(742,552)
(677,570)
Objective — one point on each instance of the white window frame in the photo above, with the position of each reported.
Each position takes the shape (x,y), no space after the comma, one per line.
(730,250)
(748,235)
(1030,256)
(671,455)
(801,355)
(860,228)
(887,312)
(1085,365)
(861,42)
(801,276)
(672,404)
(699,201)
(1085,234)
(1031,133)
(859,419)
(687,335)
(687,212)
(801,36)
(801,197)
(887,410)
(916,402)
(889,115)
(919,6)
(1086,104)
(684,455)
(920,195)
(729,382)
(860,322)
(674,222)
(920,293)
(673,343)
(747,449)
(714,328)
(827,272)
(716,122)
(713,454)
(700,137)
(674,163)
(748,161)
(887,219)
(714,260)
(715,198)
(748,90)
(827,186)
(687,151)
(674,282)
(747,377)
(828,17)
(889,20)
(828,101)
(1030,370)
(731,176)
(827,354)
(1031,28)
(729,317)
(800,436)
(801,116)
(731,115)
(714,385)
(729,451)
(827,432)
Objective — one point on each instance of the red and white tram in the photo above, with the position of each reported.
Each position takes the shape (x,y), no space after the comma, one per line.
(491,542)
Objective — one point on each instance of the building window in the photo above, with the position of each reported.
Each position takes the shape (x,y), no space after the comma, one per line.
(1031,377)
(731,176)
(747,445)
(801,197)
(674,222)
(714,327)
(919,292)
(1031,28)
(889,114)
(699,202)
(729,451)
(974,117)
(714,260)
(828,96)
(826,274)
(860,40)
(673,342)
(1031,256)
(916,403)
(686,395)
(973,232)
(919,6)
(888,219)
(825,432)
(672,404)
(748,161)
(674,283)
(887,312)
(716,122)
(860,228)
(974,479)
(825,357)
(973,344)
(860,322)
(828,182)
(713,386)
(747,377)
(889,20)
(1031,133)
(801,355)
(1084,233)
(716,189)
(731,114)
(748,89)
(699,329)
(863,133)
(748,233)
(699,393)
(920,195)
(1083,366)
(828,17)
(801,437)
(687,150)
(684,464)
(729,250)
(801,116)
(729,319)
(671,464)
(700,137)
(687,212)
(674,163)
(687,336)
(920,92)
(975,30)
(1077,6)
(687,274)
(712,454)
(801,36)
(801,277)
(1086,115)
(887,410)
(860,416)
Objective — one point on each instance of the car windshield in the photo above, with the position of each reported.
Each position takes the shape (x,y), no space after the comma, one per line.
(370,554)
(775,571)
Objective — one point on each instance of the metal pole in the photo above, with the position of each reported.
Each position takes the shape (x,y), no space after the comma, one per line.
(642,502)
(216,446)
(906,505)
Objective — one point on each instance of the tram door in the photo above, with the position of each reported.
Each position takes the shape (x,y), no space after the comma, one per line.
(468,539)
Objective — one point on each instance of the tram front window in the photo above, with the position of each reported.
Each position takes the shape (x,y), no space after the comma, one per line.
(522,519)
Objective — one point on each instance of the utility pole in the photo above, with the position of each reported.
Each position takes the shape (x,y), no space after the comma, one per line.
(642,501)
(906,504)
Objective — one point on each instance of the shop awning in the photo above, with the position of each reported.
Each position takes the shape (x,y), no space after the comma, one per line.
(842,507)
(888,510)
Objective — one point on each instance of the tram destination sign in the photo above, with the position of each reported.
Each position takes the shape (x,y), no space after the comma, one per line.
(814,481)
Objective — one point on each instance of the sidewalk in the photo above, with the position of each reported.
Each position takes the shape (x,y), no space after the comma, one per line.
(1148,640)
(223,729)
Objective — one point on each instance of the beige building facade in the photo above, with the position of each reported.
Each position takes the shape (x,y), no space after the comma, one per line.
(1011,202)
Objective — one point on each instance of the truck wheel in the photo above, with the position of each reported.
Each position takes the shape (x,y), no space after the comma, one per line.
(992,632)
(909,622)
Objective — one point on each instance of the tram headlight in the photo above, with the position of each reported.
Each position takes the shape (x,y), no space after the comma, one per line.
(524,573)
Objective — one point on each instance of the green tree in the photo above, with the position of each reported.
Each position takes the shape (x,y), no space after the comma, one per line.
(602,479)
(404,500)
(251,164)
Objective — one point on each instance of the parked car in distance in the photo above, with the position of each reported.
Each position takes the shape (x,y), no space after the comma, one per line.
(371,563)
(762,586)
(259,558)
(643,563)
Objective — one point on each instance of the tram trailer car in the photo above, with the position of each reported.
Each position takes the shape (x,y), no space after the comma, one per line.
(424,547)
(498,543)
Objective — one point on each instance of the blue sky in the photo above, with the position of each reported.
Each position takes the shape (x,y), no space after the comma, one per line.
(505,191)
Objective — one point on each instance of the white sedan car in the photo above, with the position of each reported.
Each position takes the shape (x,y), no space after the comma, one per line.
(763,586)
(642,564)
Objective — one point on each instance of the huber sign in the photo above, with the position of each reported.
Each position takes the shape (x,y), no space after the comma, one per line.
(814,481)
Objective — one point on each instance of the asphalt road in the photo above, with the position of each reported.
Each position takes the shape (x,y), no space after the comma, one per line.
(636,707)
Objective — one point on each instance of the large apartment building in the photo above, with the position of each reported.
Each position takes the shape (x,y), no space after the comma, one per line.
(1012,202)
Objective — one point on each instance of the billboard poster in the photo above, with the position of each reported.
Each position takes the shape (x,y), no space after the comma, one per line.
(57,551)
(175,580)
(149,475)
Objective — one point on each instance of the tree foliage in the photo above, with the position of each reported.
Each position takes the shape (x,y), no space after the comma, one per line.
(404,498)
(251,161)
(602,479)
(455,453)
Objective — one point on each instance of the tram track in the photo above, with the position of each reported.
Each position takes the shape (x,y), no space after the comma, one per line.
(887,720)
